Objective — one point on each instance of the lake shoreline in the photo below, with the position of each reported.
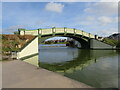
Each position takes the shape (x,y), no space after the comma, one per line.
(20,74)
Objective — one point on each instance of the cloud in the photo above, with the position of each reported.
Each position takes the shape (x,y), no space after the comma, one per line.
(98,21)
(105,20)
(109,0)
(102,8)
(60,0)
(49,0)
(12,29)
(118,19)
(102,25)
(106,32)
(54,7)
(87,20)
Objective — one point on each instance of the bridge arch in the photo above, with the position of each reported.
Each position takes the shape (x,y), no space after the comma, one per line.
(84,42)
(79,35)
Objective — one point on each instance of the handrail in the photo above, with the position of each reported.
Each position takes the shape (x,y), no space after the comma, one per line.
(54,30)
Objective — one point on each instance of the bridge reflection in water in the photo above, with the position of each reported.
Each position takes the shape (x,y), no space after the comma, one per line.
(98,68)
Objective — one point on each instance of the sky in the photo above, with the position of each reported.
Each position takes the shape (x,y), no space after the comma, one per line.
(99,18)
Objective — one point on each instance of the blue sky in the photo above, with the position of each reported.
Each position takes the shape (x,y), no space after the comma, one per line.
(95,17)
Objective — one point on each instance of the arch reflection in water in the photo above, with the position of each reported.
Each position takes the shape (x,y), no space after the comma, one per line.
(69,59)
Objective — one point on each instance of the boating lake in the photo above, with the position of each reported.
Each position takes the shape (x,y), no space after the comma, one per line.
(97,68)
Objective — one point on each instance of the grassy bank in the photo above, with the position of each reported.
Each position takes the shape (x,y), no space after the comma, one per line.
(113,42)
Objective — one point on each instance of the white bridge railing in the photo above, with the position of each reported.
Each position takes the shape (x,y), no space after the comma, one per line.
(55,31)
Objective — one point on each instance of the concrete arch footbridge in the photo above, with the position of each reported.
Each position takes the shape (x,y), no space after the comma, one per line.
(87,40)
(79,35)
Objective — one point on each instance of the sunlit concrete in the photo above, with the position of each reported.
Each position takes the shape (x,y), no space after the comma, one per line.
(19,74)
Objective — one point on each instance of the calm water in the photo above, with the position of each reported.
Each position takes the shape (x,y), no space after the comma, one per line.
(50,45)
(97,68)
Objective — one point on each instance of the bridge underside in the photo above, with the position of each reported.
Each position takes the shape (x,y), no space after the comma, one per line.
(84,41)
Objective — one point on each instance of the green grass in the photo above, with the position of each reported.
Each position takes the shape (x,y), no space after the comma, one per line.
(112,42)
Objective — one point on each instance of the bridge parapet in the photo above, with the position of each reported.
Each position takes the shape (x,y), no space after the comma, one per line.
(79,32)
(27,32)
(59,30)
(92,36)
(70,30)
(56,31)
(46,31)
(85,34)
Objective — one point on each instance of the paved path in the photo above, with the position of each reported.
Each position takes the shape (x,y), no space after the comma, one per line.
(19,74)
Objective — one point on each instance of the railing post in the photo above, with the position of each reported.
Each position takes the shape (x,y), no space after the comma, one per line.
(65,31)
(95,36)
(89,35)
(24,31)
(19,31)
(82,33)
(74,31)
(38,31)
(53,31)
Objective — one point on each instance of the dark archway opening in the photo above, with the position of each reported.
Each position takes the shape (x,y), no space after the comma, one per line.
(78,41)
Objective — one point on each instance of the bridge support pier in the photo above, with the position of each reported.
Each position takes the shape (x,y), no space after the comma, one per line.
(95,44)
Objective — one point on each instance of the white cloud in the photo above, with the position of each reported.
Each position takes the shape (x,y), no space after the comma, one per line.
(88,20)
(109,0)
(106,32)
(103,8)
(51,0)
(118,19)
(60,0)
(105,20)
(12,29)
(101,26)
(54,7)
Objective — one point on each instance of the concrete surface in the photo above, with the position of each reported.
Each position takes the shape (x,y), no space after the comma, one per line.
(19,74)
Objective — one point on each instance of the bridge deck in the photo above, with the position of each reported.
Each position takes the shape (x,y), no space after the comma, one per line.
(55,31)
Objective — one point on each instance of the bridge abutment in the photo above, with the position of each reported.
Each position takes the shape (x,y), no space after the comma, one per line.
(95,44)
(30,49)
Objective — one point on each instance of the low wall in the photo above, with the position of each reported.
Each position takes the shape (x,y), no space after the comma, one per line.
(95,44)
(30,49)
